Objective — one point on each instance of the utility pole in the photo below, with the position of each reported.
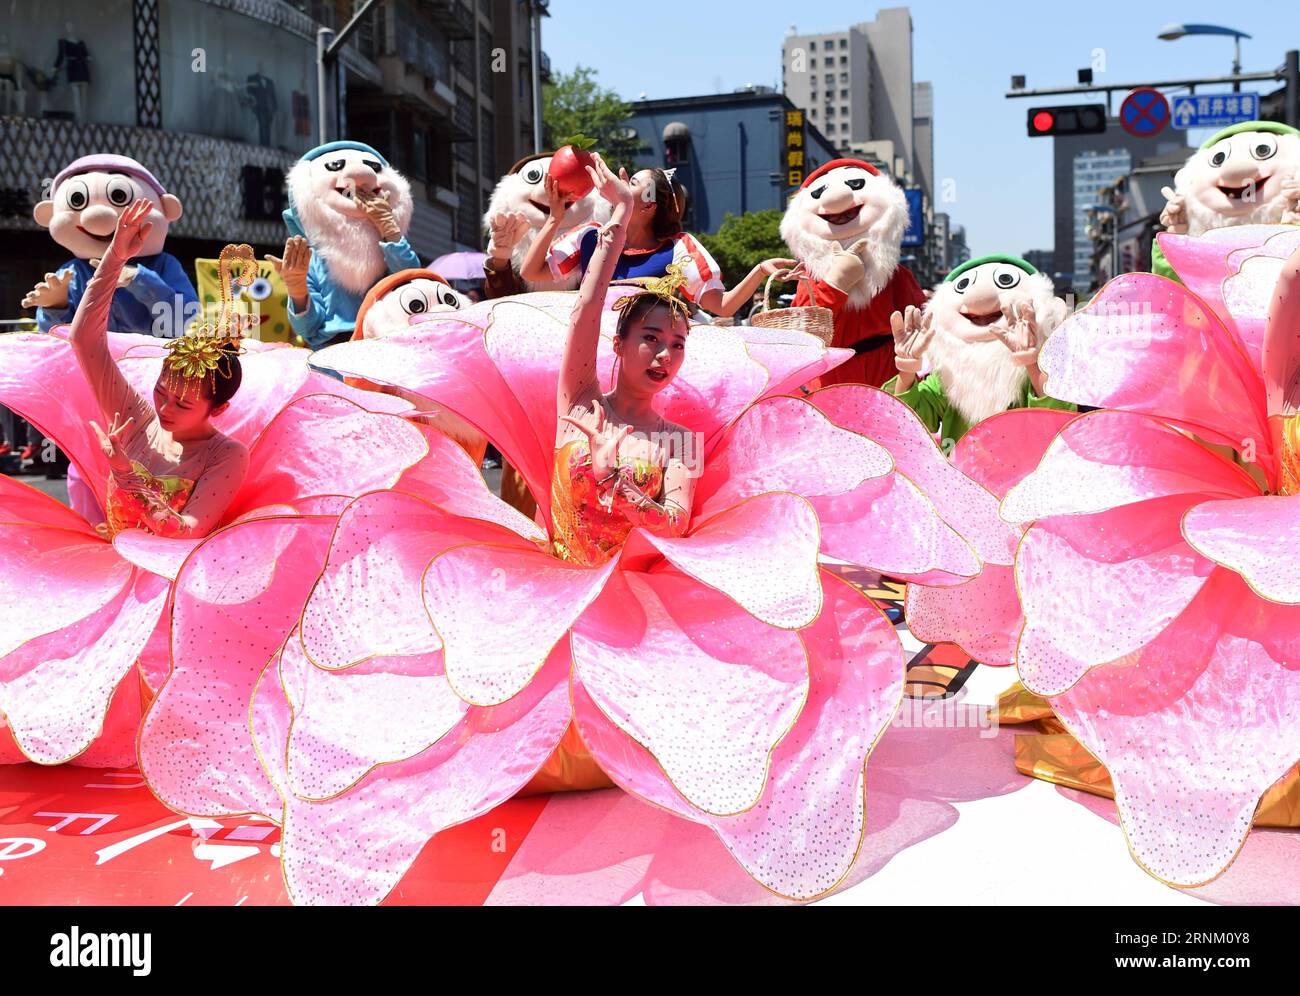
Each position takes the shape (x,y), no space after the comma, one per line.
(328,45)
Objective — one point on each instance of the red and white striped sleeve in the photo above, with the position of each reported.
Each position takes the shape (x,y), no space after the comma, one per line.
(565,254)
(702,273)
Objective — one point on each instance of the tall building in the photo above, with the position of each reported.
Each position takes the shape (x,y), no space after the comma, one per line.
(856,86)
(219,99)
(1094,169)
(1081,166)
(734,152)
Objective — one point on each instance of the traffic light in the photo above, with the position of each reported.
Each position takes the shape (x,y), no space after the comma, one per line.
(1067,119)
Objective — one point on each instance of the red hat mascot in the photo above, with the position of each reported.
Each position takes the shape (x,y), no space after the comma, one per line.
(845,225)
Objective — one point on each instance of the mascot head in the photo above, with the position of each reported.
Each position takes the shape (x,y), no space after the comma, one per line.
(844,201)
(1236,177)
(522,190)
(976,369)
(323,187)
(402,299)
(87,197)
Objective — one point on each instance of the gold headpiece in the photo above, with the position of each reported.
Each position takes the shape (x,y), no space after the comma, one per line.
(203,349)
(664,288)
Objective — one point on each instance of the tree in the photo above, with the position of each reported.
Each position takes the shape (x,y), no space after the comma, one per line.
(742,241)
(576,104)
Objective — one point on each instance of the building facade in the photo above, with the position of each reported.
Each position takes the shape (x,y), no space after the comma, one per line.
(218,98)
(734,152)
(856,86)
(1082,166)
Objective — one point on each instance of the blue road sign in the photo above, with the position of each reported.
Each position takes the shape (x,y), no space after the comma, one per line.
(915,234)
(1144,112)
(1215,110)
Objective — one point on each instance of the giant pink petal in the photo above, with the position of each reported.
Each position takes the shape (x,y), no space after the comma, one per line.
(367,602)
(1147,345)
(57,688)
(1234,270)
(969,509)
(501,610)
(449,478)
(159,555)
(1105,460)
(785,444)
(41,381)
(354,848)
(706,688)
(236,601)
(326,445)
(762,553)
(447,362)
(1258,537)
(51,577)
(21,502)
(890,526)
(348,722)
(1095,588)
(792,358)
(981,616)
(1001,451)
(800,839)
(1195,728)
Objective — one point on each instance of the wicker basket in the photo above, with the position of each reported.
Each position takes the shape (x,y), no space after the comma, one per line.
(813,319)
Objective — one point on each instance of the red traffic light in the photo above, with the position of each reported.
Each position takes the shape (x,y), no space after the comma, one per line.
(1067,119)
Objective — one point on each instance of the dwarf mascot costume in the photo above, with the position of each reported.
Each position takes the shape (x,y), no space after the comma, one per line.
(845,226)
(1246,174)
(354,210)
(980,333)
(516,213)
(399,301)
(154,293)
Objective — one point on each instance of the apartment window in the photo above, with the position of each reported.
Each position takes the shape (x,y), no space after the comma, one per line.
(830,112)
(812,46)
(812,113)
(844,60)
(844,111)
(844,78)
(844,43)
(844,95)
(830,78)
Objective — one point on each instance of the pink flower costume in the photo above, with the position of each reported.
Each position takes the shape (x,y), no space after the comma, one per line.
(84,604)
(1159,579)
(447,648)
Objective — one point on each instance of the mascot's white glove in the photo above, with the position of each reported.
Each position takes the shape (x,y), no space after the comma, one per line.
(912,334)
(505,229)
(52,292)
(846,268)
(1020,334)
(1291,199)
(1174,216)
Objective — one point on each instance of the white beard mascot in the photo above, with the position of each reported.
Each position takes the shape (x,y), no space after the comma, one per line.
(845,225)
(980,333)
(348,215)
(1248,174)
(515,214)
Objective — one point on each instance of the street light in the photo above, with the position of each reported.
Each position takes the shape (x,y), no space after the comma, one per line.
(1172,32)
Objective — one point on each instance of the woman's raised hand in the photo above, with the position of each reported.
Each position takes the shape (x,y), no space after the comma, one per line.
(603,438)
(615,189)
(111,442)
(132,229)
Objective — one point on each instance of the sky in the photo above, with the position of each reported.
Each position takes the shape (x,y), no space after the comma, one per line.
(1003,178)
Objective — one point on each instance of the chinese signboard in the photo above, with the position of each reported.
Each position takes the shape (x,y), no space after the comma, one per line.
(1215,111)
(793,151)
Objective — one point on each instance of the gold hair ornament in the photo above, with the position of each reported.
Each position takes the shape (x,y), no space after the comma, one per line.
(203,350)
(664,288)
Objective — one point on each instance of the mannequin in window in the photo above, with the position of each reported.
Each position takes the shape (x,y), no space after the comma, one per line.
(262,92)
(13,98)
(73,62)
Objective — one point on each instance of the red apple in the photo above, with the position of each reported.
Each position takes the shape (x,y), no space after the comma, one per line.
(569,170)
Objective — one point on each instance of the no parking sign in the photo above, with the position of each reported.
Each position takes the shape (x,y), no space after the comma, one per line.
(1145,111)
